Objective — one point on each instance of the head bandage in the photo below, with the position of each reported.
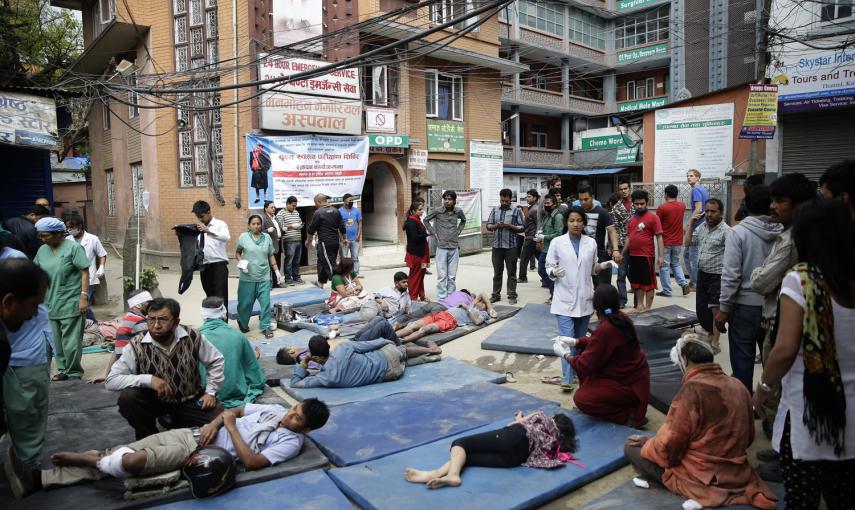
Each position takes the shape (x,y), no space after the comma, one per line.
(50,225)
(677,351)
(139,299)
(214,313)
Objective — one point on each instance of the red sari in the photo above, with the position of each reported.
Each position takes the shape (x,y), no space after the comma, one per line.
(416,234)
(614,379)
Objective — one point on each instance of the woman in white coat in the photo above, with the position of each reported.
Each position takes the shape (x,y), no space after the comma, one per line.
(570,263)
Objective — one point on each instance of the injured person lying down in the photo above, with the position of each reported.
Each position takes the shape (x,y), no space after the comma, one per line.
(257,436)
(340,363)
(475,311)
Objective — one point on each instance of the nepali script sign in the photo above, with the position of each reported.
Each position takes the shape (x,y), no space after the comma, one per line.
(305,165)
(295,112)
(343,83)
(28,120)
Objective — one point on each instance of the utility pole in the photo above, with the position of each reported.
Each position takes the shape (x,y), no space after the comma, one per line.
(760,40)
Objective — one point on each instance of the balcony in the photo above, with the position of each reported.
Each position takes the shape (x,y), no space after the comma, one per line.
(115,39)
(546,46)
(536,157)
(538,99)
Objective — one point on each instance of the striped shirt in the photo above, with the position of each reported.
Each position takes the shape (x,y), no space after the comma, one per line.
(286,217)
(710,246)
(504,238)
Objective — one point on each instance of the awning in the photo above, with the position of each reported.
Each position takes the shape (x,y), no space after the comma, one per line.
(563,171)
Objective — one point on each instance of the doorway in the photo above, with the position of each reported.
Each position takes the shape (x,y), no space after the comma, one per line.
(379,205)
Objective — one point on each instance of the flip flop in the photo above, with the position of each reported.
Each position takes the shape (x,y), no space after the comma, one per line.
(553,379)
(509,377)
(567,387)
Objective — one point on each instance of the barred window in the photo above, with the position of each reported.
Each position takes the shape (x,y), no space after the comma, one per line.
(587,29)
(644,28)
(545,16)
(133,97)
(111,192)
(137,187)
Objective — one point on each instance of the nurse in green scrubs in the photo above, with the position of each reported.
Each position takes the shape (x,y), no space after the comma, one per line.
(67,298)
(255,258)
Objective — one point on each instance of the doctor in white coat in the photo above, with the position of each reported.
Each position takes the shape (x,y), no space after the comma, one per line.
(570,263)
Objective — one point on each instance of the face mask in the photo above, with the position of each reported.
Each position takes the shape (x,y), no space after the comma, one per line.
(74,232)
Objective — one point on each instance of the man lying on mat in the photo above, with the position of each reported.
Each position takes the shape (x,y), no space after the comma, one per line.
(457,298)
(477,312)
(701,452)
(258,436)
(535,440)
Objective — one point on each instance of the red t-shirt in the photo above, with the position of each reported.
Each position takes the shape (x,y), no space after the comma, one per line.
(671,216)
(641,230)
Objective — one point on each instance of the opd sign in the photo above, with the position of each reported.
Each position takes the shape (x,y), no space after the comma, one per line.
(389,140)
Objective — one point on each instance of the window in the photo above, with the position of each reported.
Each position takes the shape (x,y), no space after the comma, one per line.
(548,17)
(108,10)
(587,29)
(106,114)
(200,139)
(195,31)
(111,192)
(133,97)
(138,186)
(640,89)
(430,93)
(379,94)
(538,137)
(444,11)
(642,28)
(833,10)
(380,85)
(444,95)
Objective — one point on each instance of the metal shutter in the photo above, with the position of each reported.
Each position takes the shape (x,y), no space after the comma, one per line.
(25,174)
(814,141)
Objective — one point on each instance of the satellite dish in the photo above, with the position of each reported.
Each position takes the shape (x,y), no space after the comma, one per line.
(683,94)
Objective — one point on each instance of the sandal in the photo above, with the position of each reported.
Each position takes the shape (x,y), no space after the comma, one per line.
(267,333)
(509,377)
(59,377)
(567,388)
(551,379)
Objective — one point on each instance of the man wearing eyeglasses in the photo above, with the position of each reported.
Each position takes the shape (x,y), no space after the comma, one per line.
(158,374)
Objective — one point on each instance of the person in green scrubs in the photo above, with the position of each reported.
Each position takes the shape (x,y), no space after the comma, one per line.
(67,298)
(255,258)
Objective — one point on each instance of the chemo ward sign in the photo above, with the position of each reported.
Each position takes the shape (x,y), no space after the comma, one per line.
(305,165)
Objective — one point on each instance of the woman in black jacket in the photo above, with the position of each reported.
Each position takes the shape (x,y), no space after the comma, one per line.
(418,252)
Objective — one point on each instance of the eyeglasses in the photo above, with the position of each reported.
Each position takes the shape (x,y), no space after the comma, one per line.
(156,321)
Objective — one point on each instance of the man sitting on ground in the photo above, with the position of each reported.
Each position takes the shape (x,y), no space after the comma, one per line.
(243,379)
(700,452)
(257,436)
(475,311)
(339,363)
(388,302)
(158,374)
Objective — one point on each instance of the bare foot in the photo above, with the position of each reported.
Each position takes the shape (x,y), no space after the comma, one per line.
(434,349)
(87,458)
(419,476)
(445,481)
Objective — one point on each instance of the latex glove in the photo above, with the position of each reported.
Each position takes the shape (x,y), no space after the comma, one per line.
(100,272)
(270,230)
(278,277)
(568,341)
(314,242)
(560,349)
(557,272)
(609,264)
(243,265)
(538,237)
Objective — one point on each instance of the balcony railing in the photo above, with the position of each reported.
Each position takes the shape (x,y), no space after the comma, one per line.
(585,105)
(553,42)
(550,98)
(542,39)
(536,157)
(541,97)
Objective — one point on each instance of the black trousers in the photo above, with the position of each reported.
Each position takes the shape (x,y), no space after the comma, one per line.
(502,448)
(528,257)
(505,258)
(327,253)
(707,294)
(215,279)
(650,471)
(141,407)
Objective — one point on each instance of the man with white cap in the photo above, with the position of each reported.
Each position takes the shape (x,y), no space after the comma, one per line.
(243,379)
(132,324)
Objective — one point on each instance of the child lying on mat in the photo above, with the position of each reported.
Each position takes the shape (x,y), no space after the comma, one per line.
(477,311)
(535,440)
(256,435)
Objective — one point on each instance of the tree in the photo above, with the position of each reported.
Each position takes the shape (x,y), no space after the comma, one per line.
(37,42)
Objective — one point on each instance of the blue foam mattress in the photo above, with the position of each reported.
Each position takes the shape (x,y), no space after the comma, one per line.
(309,296)
(529,331)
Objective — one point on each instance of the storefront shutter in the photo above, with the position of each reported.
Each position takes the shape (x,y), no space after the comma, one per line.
(814,141)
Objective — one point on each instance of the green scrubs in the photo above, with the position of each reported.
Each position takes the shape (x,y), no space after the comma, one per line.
(25,400)
(243,379)
(62,301)
(254,284)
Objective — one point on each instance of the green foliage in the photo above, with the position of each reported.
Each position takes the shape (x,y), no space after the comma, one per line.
(37,42)
(148,280)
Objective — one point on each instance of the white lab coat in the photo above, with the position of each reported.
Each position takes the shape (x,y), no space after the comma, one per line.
(574,292)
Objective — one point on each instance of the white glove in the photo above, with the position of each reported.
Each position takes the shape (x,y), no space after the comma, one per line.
(568,341)
(243,265)
(538,237)
(278,277)
(100,272)
(608,264)
(314,242)
(557,272)
(270,230)
(559,348)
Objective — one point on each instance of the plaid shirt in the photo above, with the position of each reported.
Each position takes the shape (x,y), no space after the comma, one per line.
(710,246)
(506,237)
(620,217)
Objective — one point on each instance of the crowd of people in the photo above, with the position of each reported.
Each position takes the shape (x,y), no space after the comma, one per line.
(780,281)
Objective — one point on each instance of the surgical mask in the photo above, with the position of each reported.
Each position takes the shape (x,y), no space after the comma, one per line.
(74,232)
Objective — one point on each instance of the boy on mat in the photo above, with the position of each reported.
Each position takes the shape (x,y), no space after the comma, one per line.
(257,436)
(475,311)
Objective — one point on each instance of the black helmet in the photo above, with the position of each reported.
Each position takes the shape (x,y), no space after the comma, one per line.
(210,471)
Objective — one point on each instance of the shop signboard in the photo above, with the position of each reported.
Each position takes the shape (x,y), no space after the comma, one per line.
(813,79)
(28,120)
(446,136)
(295,112)
(343,83)
(761,113)
(636,54)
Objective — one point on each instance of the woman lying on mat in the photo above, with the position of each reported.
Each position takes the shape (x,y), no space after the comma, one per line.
(614,379)
(477,313)
(535,440)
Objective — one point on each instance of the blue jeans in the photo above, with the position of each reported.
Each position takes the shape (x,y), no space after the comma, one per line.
(446,271)
(577,327)
(621,279)
(672,262)
(744,333)
(691,258)
(292,250)
(352,250)
(541,270)
(89,314)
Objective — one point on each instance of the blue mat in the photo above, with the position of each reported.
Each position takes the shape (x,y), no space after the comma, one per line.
(363,431)
(306,491)
(529,331)
(656,498)
(380,484)
(271,347)
(442,375)
(310,296)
